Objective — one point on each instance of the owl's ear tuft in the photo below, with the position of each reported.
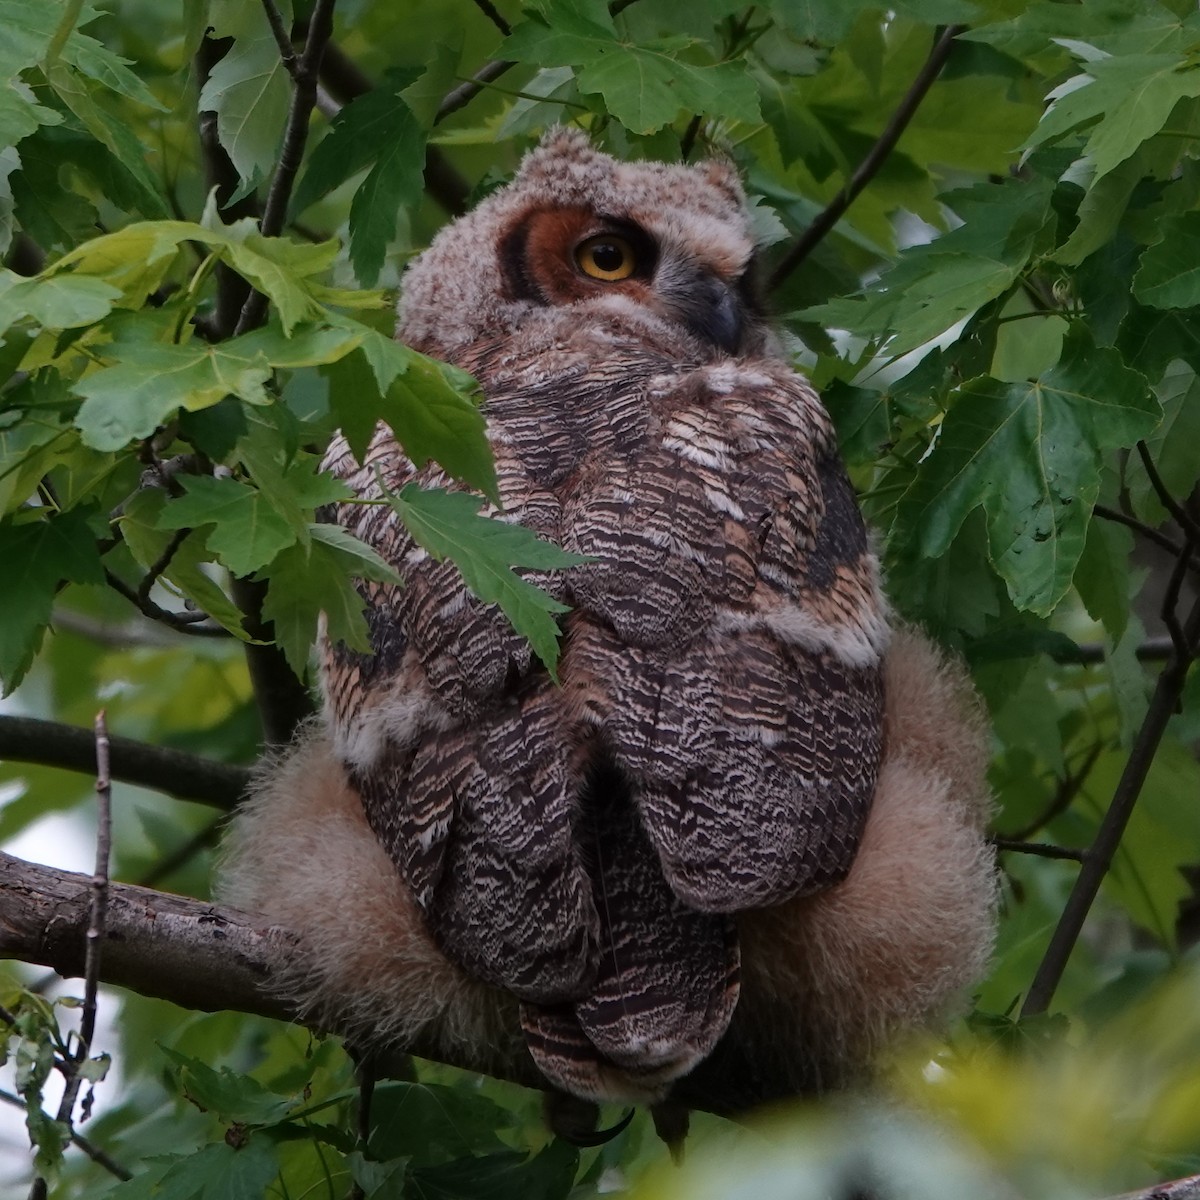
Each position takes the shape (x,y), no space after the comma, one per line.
(561,150)
(723,175)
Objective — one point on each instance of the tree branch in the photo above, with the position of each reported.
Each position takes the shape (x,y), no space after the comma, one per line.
(1089,654)
(1182,517)
(221,174)
(304,97)
(184,776)
(874,160)
(1148,532)
(1175,1189)
(283,701)
(210,957)
(462,95)
(492,13)
(197,955)
(190,623)
(1098,858)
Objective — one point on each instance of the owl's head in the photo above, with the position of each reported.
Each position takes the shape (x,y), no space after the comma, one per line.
(664,247)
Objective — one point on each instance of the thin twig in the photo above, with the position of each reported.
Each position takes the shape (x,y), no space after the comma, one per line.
(160,564)
(72,1066)
(282,38)
(464,93)
(1068,789)
(101,1157)
(304,97)
(1170,602)
(1182,517)
(1037,849)
(490,11)
(874,160)
(187,622)
(1153,649)
(1099,857)
(1147,531)
(185,776)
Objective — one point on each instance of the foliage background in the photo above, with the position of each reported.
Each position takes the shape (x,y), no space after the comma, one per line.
(1006,328)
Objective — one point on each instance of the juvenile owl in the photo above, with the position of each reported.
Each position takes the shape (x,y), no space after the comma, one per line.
(745,824)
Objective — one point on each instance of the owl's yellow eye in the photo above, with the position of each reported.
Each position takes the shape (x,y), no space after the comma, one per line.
(606,256)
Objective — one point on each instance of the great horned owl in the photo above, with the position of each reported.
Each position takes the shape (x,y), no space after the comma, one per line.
(745,827)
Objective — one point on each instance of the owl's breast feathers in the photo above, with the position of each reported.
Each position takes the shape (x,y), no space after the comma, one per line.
(715,741)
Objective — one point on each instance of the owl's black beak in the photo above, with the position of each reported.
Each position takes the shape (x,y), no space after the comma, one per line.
(713,311)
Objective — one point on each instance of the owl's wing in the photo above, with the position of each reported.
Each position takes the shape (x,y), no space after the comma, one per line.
(731,641)
(459,758)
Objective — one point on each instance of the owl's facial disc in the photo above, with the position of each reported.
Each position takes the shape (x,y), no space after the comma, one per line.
(568,256)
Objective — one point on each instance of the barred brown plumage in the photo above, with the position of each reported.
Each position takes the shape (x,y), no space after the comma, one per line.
(602,855)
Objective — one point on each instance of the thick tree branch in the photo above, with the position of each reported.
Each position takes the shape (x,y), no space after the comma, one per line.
(876,157)
(1099,856)
(200,956)
(221,174)
(211,957)
(283,700)
(184,776)
(1176,1189)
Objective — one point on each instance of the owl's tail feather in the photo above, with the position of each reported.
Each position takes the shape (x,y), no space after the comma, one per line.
(667,976)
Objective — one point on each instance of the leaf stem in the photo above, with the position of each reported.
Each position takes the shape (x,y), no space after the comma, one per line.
(66,26)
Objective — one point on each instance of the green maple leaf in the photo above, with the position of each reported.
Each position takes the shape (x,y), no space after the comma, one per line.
(1030,454)
(486,550)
